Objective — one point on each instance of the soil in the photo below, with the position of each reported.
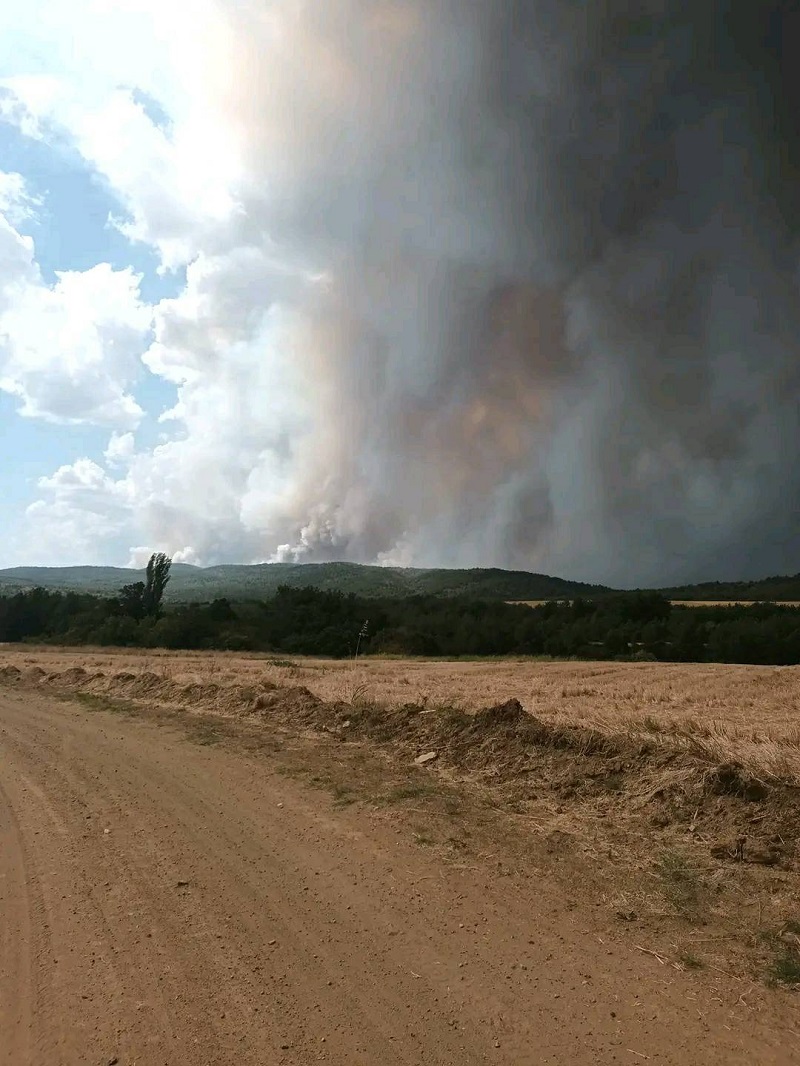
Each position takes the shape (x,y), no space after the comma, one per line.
(242,883)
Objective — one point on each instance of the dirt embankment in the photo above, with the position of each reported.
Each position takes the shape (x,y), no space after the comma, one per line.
(501,747)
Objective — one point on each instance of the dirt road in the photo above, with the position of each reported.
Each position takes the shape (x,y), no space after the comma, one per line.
(162,902)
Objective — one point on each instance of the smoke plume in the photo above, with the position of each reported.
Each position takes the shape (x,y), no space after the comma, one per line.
(550,310)
(522,283)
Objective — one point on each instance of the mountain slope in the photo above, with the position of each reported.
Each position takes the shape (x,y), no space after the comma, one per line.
(194,584)
(768,588)
(191,583)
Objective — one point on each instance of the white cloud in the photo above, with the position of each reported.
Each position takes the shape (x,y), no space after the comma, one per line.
(177,183)
(17,268)
(16,202)
(174,184)
(81,512)
(140,555)
(81,476)
(70,352)
(120,448)
(57,533)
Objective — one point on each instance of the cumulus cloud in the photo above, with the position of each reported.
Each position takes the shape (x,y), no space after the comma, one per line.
(69,352)
(79,513)
(172,183)
(120,448)
(17,203)
(465,284)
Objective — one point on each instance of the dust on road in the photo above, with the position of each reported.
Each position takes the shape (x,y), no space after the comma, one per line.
(165,902)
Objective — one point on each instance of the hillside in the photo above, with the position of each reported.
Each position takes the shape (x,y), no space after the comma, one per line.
(768,589)
(193,584)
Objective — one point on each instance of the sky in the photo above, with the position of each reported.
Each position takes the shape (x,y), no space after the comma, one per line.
(87,166)
(438,283)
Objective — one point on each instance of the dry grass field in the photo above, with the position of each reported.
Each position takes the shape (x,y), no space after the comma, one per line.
(749,714)
(686,603)
(729,603)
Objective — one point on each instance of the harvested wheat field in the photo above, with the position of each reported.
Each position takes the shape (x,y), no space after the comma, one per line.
(237,859)
(685,603)
(730,603)
(749,714)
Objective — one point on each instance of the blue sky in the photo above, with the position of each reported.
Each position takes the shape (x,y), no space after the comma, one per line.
(71,232)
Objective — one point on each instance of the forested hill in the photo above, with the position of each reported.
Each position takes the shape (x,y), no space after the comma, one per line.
(772,589)
(192,584)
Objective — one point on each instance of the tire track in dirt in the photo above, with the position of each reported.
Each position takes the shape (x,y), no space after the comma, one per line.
(16,990)
(231,916)
(120,898)
(228,946)
(76,955)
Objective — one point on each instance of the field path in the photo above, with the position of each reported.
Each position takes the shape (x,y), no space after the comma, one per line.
(162,902)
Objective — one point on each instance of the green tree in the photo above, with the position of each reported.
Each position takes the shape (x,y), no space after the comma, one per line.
(156,579)
(131,600)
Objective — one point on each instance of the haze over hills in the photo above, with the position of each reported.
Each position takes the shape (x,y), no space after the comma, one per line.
(196,584)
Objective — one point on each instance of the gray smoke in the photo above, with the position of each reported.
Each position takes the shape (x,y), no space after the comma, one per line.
(560,323)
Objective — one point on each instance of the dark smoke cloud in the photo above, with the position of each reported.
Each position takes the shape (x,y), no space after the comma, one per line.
(561,323)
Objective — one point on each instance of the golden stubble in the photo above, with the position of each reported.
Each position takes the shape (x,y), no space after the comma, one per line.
(748,714)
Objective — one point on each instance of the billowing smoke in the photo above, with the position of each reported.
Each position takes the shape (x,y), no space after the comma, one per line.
(524,276)
(556,318)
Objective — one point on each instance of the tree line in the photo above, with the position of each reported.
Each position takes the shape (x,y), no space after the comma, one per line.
(307,621)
